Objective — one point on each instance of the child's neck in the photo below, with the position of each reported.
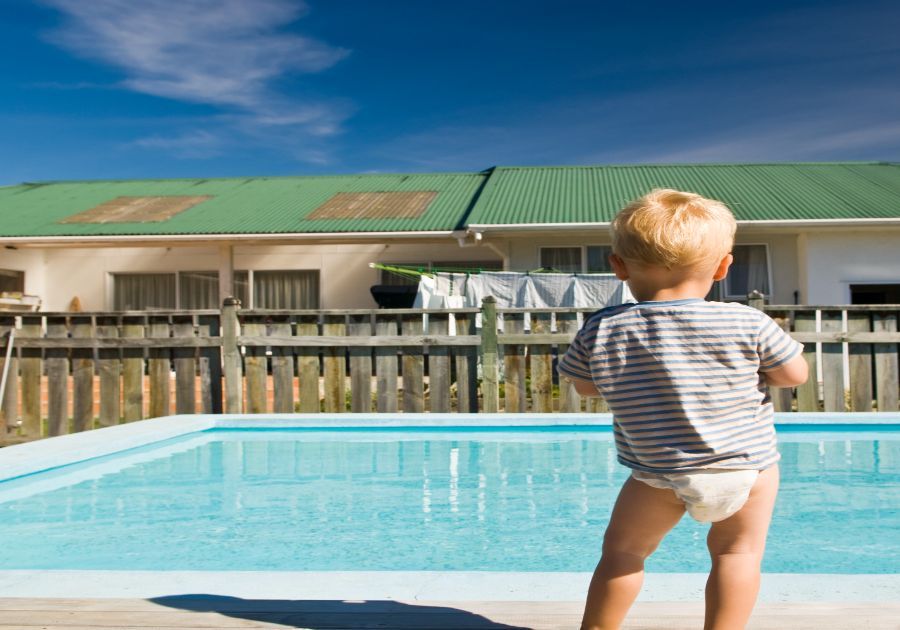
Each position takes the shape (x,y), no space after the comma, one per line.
(688,289)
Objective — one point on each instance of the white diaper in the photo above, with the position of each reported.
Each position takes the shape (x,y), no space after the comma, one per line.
(709,495)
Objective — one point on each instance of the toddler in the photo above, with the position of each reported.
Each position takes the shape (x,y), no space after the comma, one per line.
(687,383)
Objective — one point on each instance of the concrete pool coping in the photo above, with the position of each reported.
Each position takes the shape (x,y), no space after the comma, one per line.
(425,585)
(29,458)
(55,452)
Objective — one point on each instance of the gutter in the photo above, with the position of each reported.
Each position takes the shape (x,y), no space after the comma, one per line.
(195,239)
(484,228)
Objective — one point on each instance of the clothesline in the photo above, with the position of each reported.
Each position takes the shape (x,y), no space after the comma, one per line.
(415,272)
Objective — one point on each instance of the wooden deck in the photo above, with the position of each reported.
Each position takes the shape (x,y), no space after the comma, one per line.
(227,612)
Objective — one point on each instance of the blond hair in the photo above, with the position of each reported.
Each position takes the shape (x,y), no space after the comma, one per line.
(672,228)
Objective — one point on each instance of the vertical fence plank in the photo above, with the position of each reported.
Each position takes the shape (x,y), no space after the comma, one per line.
(514,365)
(886,377)
(109,367)
(210,367)
(9,415)
(57,378)
(569,400)
(860,363)
(282,368)
(335,365)
(832,364)
(808,392)
(439,364)
(160,368)
(185,366)
(490,390)
(133,370)
(360,365)
(308,365)
(30,367)
(413,366)
(466,367)
(596,404)
(232,363)
(386,366)
(82,375)
(541,367)
(255,365)
(782,397)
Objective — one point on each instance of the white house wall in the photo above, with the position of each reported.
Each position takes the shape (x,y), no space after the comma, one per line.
(834,261)
(58,275)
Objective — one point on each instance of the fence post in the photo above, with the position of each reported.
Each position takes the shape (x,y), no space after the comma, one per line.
(489,387)
(781,397)
(756,300)
(231,355)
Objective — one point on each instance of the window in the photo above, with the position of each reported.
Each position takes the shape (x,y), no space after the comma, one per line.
(143,291)
(286,289)
(589,259)
(562,259)
(598,259)
(12,281)
(200,289)
(749,272)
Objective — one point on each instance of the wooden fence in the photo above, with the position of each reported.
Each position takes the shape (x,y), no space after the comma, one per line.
(75,371)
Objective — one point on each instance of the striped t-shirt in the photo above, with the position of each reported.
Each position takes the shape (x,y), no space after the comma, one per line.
(683,381)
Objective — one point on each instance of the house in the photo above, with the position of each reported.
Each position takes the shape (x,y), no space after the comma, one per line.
(807,233)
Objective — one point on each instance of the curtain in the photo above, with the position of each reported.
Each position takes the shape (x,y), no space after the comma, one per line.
(749,271)
(242,287)
(286,289)
(562,259)
(198,289)
(598,259)
(143,291)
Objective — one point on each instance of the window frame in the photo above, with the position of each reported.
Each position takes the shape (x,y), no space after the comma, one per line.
(18,274)
(584,255)
(726,295)
(111,283)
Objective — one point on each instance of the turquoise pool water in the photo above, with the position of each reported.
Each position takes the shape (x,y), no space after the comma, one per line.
(496,500)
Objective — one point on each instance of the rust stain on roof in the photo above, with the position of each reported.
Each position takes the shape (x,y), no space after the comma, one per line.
(375,205)
(137,209)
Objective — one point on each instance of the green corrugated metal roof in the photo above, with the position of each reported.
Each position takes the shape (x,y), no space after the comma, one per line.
(256,205)
(754,192)
(510,195)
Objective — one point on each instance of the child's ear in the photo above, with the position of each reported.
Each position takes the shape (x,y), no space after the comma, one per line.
(722,269)
(619,267)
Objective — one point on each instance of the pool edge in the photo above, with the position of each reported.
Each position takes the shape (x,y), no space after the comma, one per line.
(425,585)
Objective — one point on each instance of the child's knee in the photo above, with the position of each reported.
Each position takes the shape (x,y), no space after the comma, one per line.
(722,543)
(621,543)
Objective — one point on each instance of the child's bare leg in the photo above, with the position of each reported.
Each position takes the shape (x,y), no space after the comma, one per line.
(736,546)
(641,518)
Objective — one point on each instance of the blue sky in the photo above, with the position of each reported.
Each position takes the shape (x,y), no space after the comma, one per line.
(95,89)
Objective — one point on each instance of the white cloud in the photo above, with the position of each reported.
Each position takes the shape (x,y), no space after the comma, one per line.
(189,145)
(224,53)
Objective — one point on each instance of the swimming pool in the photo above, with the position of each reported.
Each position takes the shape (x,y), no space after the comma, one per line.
(268,495)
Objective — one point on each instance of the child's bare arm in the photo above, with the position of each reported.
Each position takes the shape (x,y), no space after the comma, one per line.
(789,374)
(584,388)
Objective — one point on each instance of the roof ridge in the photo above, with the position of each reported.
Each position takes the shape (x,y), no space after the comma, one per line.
(703,164)
(246,177)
